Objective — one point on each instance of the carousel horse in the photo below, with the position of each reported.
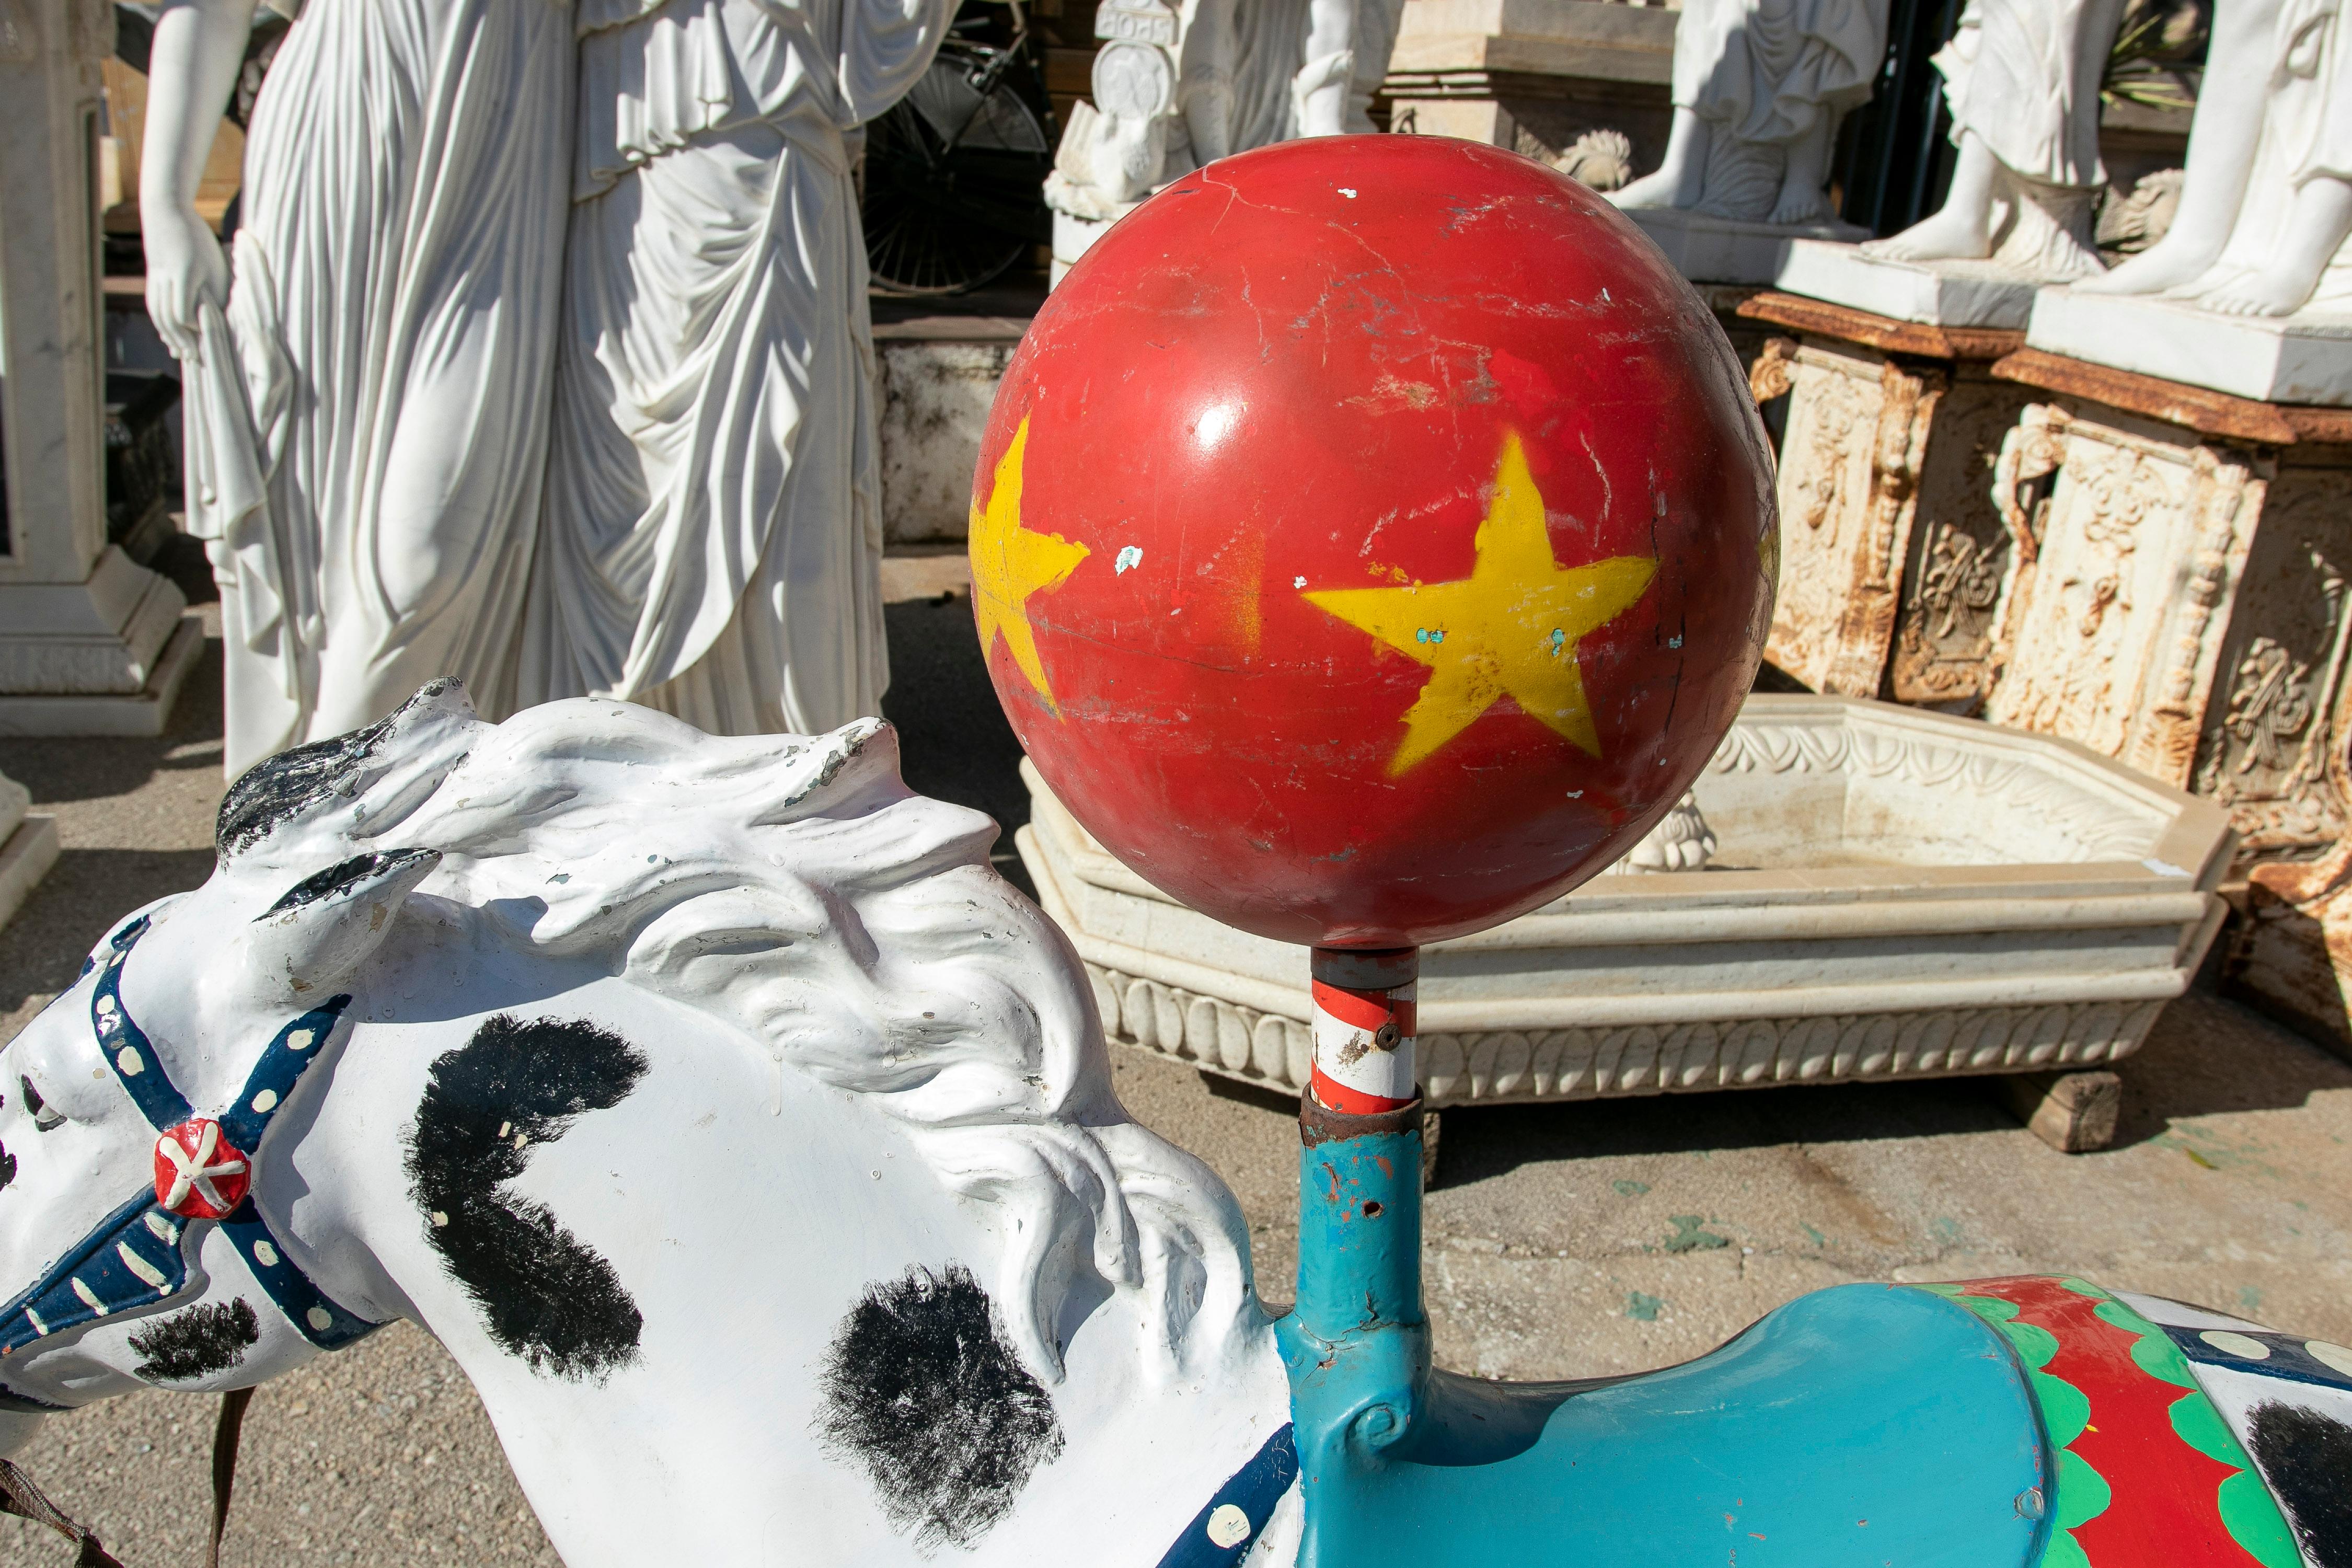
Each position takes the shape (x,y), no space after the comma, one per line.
(751,1146)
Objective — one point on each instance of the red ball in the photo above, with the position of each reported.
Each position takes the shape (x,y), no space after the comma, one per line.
(1371,539)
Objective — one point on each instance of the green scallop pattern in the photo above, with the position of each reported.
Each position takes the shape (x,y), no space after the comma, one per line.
(2243,1502)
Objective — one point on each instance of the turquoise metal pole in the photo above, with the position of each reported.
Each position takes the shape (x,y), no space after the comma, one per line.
(1358,1341)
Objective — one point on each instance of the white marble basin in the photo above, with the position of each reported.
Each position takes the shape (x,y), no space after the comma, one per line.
(1895,893)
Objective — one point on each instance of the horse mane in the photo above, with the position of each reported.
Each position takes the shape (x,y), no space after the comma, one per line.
(795,888)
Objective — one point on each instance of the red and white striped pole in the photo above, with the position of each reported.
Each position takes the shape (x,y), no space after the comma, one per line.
(1364,1028)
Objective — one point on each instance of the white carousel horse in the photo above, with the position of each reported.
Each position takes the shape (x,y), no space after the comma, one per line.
(749,1143)
(751,1146)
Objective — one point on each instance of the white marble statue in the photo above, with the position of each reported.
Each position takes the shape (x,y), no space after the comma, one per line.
(2021,79)
(1758,87)
(366,408)
(2266,201)
(712,533)
(1181,85)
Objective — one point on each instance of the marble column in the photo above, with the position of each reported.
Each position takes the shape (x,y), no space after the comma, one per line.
(90,642)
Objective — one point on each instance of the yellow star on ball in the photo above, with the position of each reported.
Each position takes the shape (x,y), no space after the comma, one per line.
(1010,563)
(1510,628)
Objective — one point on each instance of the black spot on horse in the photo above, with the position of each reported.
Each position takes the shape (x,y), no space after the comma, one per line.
(279,789)
(197,1342)
(549,1297)
(923,1389)
(2306,1457)
(8,1166)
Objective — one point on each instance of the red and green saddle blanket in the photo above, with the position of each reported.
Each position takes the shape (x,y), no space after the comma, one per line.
(2152,1467)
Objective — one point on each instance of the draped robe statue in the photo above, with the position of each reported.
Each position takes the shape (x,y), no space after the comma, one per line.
(366,418)
(712,532)
(2022,78)
(2266,205)
(1759,87)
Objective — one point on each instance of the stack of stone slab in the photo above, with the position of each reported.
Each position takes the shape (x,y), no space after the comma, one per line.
(1533,74)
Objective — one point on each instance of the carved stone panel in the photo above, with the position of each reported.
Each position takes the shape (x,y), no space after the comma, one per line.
(1849,464)
(2114,629)
(2278,702)
(1960,560)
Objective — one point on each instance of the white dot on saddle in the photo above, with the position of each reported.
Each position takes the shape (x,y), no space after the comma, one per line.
(267,1101)
(2336,1358)
(299,1040)
(1228,1525)
(131,1063)
(265,1254)
(320,1318)
(2242,1345)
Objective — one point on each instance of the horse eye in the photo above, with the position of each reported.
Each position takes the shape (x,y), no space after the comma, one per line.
(44,1119)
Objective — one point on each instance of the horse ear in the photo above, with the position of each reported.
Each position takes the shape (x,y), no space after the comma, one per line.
(326,925)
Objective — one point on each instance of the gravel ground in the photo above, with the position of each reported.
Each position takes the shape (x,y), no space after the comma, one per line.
(1562,1240)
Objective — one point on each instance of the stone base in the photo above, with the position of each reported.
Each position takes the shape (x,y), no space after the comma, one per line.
(28,846)
(99,637)
(1708,249)
(143,712)
(1939,293)
(1072,236)
(938,377)
(2305,358)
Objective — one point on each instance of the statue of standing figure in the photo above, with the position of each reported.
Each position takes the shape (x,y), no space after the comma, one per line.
(2266,205)
(2022,78)
(1758,89)
(365,411)
(454,208)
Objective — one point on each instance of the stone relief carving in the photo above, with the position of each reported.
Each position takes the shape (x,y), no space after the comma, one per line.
(1851,498)
(1588,1064)
(1963,559)
(2093,823)
(2265,753)
(2111,640)
(1600,159)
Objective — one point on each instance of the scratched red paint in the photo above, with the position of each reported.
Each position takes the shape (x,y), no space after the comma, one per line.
(1297,371)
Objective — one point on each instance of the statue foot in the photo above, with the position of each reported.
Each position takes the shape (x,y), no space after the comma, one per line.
(2266,293)
(2149,272)
(1799,205)
(1655,190)
(1946,236)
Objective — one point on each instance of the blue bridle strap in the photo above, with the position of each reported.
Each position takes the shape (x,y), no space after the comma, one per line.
(135,1256)
(1214,1541)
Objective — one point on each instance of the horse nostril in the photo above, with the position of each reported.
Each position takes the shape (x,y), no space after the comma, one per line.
(43,1117)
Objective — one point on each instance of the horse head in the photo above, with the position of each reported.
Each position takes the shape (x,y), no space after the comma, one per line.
(710,1089)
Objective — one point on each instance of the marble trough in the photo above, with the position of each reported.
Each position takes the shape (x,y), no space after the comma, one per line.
(1894,894)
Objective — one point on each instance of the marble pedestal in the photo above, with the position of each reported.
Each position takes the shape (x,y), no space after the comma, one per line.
(28,846)
(1893,557)
(1934,293)
(90,642)
(1708,249)
(1894,894)
(2305,358)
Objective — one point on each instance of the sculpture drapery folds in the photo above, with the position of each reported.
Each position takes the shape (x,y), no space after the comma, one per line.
(547,363)
(713,523)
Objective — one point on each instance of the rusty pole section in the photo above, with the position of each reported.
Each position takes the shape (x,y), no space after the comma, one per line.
(1358,1342)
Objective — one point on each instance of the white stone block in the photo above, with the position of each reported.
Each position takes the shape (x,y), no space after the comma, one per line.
(1708,249)
(2303,358)
(1938,293)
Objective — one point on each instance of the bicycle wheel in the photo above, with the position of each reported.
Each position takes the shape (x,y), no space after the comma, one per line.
(954,183)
